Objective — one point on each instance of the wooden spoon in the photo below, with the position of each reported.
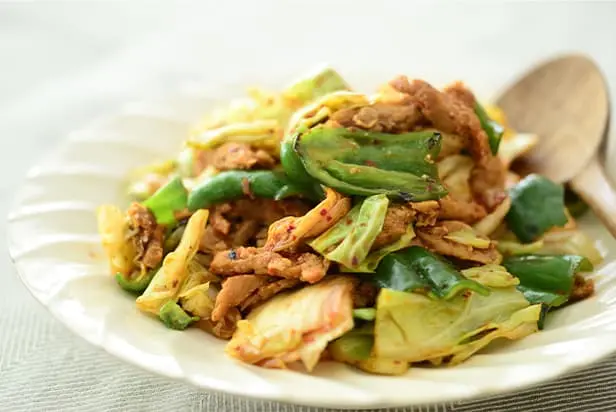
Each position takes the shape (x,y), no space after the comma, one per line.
(565,102)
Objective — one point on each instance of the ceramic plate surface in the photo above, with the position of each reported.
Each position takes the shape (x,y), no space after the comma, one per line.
(55,247)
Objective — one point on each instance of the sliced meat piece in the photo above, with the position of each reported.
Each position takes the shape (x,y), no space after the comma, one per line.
(223,328)
(233,156)
(400,215)
(218,220)
(238,223)
(364,295)
(488,183)
(397,219)
(582,288)
(234,291)
(467,212)
(147,236)
(243,232)
(267,211)
(213,241)
(378,117)
(426,212)
(433,238)
(447,113)
(460,92)
(265,292)
(250,260)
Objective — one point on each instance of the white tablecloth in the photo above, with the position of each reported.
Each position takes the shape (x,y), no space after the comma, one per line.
(64,63)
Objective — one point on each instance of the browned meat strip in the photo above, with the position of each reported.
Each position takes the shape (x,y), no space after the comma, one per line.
(582,288)
(238,223)
(364,295)
(147,236)
(460,92)
(487,182)
(426,212)
(400,215)
(447,113)
(267,291)
(250,260)
(234,290)
(379,117)
(233,156)
(434,239)
(397,219)
(246,291)
(223,328)
(467,212)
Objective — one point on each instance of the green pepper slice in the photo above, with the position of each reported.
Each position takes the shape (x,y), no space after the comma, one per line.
(168,200)
(537,205)
(234,184)
(416,269)
(357,162)
(494,130)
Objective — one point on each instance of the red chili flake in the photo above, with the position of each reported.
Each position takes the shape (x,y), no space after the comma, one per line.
(370,163)
(323,212)
(174,283)
(349,221)
(290,228)
(293,237)
(328,218)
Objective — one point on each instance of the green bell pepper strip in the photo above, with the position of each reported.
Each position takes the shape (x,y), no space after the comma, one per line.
(230,185)
(546,279)
(357,162)
(494,130)
(168,200)
(418,270)
(138,284)
(174,317)
(537,205)
(295,170)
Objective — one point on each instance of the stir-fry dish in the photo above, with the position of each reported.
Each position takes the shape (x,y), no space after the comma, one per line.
(323,224)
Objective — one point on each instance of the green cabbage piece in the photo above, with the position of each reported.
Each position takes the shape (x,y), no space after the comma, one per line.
(337,233)
(494,276)
(373,259)
(176,268)
(356,240)
(355,348)
(414,327)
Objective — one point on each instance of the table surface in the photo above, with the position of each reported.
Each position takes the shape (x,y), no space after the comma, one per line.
(63,63)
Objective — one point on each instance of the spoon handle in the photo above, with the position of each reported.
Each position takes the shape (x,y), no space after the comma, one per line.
(593,186)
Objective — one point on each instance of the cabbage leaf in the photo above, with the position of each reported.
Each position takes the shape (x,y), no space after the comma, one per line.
(414,327)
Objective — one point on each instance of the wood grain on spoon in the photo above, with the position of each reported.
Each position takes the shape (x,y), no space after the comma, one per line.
(565,101)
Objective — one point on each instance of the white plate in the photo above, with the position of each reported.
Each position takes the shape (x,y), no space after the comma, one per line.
(55,247)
